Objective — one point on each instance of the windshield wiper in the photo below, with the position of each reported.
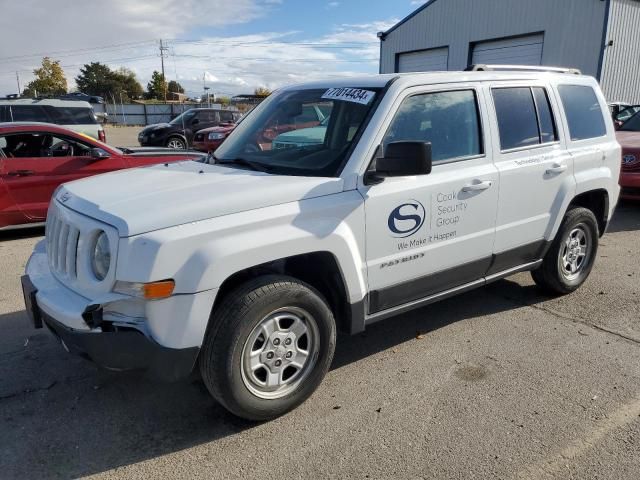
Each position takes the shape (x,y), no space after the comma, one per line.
(256,166)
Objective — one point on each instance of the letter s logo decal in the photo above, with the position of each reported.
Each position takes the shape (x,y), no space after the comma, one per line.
(406,219)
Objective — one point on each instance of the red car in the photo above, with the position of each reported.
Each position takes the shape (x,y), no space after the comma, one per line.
(629,138)
(209,139)
(37,157)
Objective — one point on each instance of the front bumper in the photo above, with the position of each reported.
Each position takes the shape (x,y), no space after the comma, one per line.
(79,325)
(630,185)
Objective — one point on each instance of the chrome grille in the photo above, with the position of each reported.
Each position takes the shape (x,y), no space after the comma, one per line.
(62,246)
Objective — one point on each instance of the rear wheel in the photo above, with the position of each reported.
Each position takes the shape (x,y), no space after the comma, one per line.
(270,345)
(570,259)
(176,143)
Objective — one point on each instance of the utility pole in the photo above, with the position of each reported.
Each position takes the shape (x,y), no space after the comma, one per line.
(18,80)
(164,79)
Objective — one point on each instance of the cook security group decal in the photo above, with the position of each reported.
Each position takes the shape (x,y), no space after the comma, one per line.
(414,226)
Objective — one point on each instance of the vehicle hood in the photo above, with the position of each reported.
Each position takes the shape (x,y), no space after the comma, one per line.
(628,140)
(305,135)
(156,127)
(160,196)
(162,152)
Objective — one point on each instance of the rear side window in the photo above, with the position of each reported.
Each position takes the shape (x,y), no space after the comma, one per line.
(72,115)
(450,121)
(29,113)
(524,117)
(583,112)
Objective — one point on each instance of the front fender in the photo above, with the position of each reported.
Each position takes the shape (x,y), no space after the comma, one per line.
(202,255)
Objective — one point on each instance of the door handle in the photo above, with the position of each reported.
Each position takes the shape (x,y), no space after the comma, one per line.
(557,168)
(477,187)
(20,173)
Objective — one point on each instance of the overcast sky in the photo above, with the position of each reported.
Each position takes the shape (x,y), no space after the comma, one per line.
(235,45)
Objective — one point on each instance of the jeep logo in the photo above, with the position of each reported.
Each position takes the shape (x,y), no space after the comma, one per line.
(406,219)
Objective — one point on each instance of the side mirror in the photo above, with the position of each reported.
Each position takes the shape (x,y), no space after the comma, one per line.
(401,159)
(99,154)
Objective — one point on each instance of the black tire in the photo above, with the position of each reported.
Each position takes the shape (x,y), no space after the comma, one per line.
(176,142)
(553,275)
(233,325)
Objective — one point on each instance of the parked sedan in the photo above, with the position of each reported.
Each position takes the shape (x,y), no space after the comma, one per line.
(629,138)
(35,158)
(209,139)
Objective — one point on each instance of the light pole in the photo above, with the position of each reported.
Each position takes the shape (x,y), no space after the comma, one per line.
(206,89)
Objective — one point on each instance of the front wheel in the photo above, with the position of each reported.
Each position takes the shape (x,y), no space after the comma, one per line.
(269,346)
(569,261)
(176,143)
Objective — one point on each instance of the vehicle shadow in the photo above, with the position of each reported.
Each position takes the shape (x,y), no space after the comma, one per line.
(18,234)
(626,218)
(62,417)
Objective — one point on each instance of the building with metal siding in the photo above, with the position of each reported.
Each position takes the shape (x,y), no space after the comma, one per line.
(599,37)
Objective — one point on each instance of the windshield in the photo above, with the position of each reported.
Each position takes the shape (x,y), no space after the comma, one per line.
(183,117)
(632,125)
(300,132)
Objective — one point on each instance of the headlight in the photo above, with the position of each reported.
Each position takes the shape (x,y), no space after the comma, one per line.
(101,258)
(216,136)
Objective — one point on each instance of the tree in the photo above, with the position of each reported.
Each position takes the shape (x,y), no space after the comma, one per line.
(98,79)
(128,83)
(262,92)
(50,80)
(224,100)
(175,87)
(157,87)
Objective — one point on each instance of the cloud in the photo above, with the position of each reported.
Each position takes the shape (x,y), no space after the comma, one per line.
(230,65)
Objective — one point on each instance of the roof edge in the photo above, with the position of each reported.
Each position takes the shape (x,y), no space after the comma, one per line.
(410,16)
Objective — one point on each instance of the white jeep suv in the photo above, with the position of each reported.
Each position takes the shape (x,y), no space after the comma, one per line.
(424,186)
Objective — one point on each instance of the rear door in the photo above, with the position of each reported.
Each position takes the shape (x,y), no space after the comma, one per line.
(534,165)
(37,163)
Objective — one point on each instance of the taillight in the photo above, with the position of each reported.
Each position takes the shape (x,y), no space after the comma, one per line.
(102,136)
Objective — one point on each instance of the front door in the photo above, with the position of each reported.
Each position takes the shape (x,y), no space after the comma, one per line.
(432,233)
(37,163)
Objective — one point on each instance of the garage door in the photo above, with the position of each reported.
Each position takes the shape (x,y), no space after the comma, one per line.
(434,59)
(513,51)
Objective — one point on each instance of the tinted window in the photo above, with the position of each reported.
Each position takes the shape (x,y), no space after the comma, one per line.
(4,113)
(583,112)
(207,116)
(517,118)
(226,116)
(449,120)
(309,114)
(72,115)
(29,113)
(545,116)
(633,124)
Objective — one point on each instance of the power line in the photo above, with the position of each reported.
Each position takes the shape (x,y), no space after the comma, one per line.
(66,53)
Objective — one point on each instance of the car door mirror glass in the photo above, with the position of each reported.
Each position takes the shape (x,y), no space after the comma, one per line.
(99,154)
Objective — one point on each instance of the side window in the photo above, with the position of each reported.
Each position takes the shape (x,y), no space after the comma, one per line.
(29,113)
(26,145)
(516,115)
(72,115)
(3,146)
(583,112)
(207,116)
(450,121)
(4,113)
(226,116)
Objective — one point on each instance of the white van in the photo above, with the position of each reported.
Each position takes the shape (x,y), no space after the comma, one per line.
(424,186)
(72,114)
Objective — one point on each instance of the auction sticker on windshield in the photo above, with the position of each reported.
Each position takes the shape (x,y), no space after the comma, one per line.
(355,95)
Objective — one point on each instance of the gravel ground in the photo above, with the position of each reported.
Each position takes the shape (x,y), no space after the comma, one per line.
(122,136)
(502,382)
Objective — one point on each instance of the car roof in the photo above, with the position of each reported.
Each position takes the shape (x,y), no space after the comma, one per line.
(425,78)
(53,102)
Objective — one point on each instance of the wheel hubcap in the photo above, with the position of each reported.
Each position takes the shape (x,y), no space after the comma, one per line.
(280,352)
(575,252)
(175,144)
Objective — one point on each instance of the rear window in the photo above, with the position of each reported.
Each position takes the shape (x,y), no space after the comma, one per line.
(583,112)
(72,115)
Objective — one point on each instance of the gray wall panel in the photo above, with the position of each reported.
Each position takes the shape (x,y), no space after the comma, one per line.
(621,68)
(572,29)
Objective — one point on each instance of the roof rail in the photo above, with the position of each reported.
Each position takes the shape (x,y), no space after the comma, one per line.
(521,68)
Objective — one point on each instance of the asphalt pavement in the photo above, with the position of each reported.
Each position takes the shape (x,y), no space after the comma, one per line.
(503,382)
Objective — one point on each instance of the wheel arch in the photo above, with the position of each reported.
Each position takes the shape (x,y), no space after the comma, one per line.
(598,202)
